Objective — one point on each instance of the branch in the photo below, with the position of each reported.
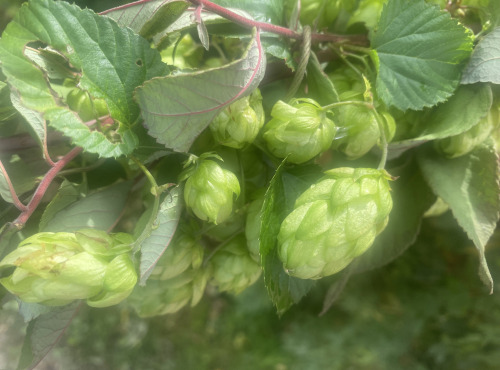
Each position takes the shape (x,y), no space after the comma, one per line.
(283,31)
(44,185)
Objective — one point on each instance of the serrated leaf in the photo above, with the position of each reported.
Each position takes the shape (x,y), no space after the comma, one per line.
(100,210)
(112,60)
(283,289)
(484,64)
(162,233)
(67,194)
(44,332)
(463,111)
(412,197)
(470,186)
(148,18)
(176,109)
(418,51)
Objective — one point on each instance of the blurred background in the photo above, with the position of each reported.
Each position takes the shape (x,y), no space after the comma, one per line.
(426,310)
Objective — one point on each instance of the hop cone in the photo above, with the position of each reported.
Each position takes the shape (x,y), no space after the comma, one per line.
(465,142)
(183,253)
(57,268)
(209,191)
(359,129)
(238,125)
(300,130)
(334,221)
(233,268)
(161,297)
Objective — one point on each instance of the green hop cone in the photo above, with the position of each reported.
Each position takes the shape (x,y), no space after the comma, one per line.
(464,143)
(300,130)
(209,191)
(182,253)
(57,268)
(161,297)
(238,125)
(334,221)
(358,129)
(233,268)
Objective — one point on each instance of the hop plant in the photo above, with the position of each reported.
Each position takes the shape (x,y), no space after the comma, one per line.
(334,221)
(162,297)
(464,143)
(238,125)
(299,130)
(209,190)
(57,268)
(360,131)
(184,252)
(233,268)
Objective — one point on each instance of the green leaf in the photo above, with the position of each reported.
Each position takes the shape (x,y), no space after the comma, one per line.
(100,210)
(412,197)
(176,109)
(270,11)
(484,64)
(4,185)
(187,21)
(44,332)
(7,111)
(67,194)
(320,87)
(113,61)
(22,172)
(162,233)
(283,289)
(150,18)
(30,311)
(418,51)
(470,186)
(463,111)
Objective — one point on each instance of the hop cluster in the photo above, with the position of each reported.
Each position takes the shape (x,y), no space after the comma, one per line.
(57,268)
(334,221)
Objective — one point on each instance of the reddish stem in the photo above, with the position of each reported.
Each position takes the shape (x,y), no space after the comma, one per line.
(245,22)
(19,205)
(44,185)
(283,31)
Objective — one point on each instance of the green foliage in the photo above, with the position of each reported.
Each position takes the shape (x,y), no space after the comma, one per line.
(418,50)
(181,151)
(484,63)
